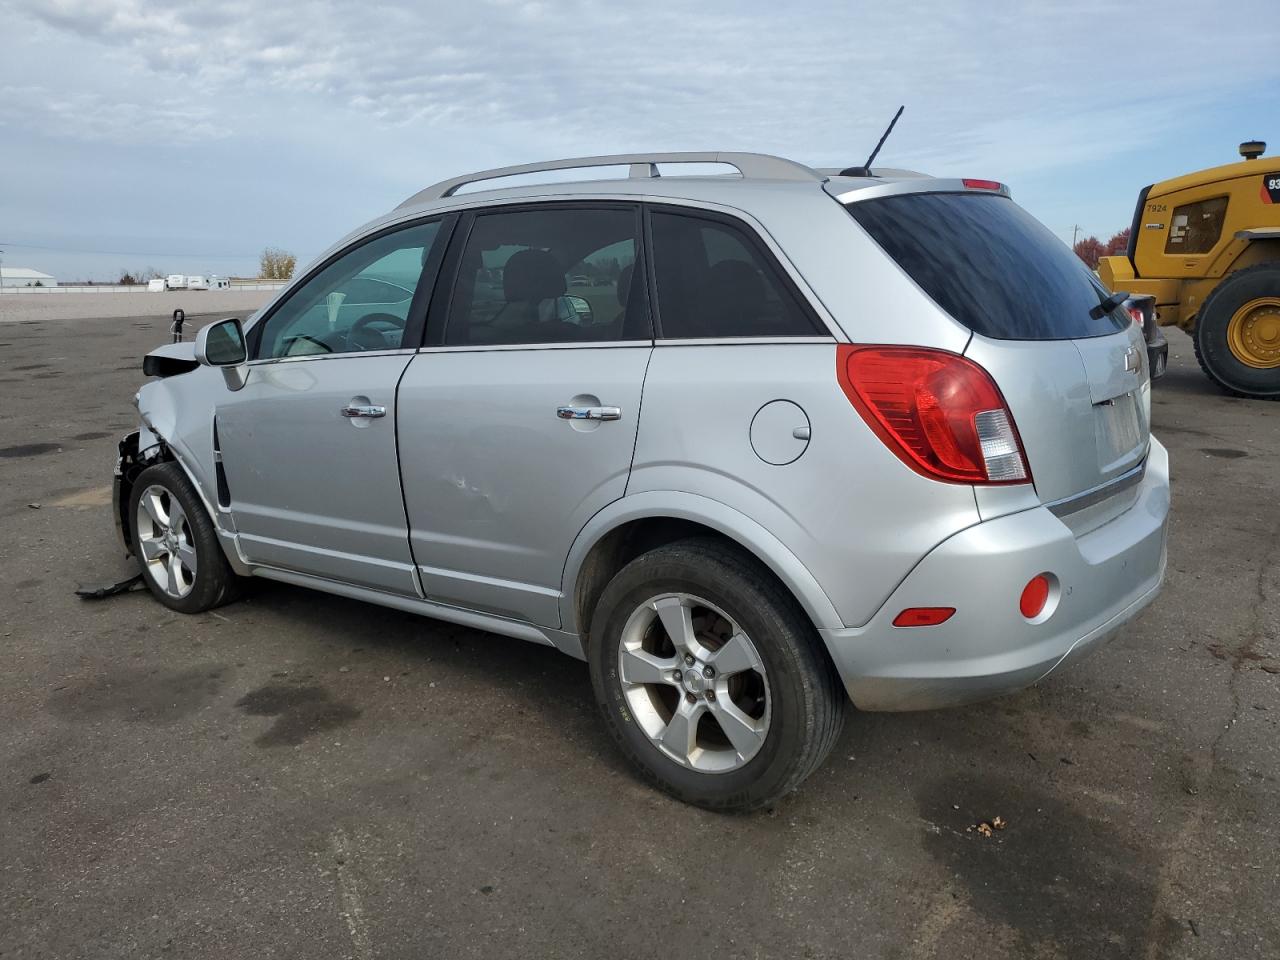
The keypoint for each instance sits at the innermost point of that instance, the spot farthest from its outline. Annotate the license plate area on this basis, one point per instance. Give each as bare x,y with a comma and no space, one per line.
1120,432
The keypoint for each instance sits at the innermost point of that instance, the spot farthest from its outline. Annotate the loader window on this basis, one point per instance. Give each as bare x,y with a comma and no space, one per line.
1196,227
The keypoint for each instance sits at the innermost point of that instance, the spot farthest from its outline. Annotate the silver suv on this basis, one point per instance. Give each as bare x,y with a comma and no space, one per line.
753,445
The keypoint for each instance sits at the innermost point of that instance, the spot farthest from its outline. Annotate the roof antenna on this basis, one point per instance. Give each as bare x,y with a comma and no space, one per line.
865,169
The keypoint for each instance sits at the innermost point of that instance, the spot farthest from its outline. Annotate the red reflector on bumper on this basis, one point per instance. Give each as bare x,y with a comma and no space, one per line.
923,616
1034,596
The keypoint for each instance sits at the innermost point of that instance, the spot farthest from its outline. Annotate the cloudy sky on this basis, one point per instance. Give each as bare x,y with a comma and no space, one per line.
186,136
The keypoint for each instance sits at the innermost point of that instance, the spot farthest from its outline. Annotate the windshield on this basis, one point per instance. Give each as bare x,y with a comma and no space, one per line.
990,264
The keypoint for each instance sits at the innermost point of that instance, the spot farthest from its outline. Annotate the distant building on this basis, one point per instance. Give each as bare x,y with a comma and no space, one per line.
24,277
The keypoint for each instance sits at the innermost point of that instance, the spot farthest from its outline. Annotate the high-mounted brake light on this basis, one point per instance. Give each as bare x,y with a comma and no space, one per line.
940,413
973,184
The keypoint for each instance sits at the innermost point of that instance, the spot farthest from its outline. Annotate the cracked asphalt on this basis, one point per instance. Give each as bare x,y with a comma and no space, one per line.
298,775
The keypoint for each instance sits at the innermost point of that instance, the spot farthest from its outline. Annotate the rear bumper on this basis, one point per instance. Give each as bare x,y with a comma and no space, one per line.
1104,578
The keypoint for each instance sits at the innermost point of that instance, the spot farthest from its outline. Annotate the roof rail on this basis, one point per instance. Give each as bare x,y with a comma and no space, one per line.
643,166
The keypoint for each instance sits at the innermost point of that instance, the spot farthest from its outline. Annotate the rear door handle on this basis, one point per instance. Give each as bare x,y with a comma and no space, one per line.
363,411
589,413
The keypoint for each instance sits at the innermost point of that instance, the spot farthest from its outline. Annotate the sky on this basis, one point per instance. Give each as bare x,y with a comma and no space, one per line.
187,136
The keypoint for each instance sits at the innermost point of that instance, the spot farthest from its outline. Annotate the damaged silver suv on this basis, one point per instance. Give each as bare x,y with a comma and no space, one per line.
755,446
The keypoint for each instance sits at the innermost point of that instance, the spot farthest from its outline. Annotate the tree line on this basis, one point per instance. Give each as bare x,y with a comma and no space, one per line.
1090,249
273,264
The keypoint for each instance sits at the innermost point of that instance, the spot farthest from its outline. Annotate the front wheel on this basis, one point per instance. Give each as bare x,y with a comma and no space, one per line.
711,678
175,542
1237,335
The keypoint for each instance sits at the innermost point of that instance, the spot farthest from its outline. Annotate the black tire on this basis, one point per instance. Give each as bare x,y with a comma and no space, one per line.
213,582
1210,338
808,702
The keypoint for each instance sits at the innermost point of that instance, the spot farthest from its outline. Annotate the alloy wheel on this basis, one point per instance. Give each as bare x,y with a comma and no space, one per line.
165,541
695,683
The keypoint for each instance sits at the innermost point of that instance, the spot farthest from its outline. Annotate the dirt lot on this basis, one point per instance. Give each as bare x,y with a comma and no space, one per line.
302,776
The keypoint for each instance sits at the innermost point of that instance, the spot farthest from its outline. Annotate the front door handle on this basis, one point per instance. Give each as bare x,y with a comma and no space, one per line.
589,413
363,411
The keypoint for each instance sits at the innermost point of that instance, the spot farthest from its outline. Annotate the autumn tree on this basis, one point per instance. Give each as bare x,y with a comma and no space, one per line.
1119,243
276,264
1089,249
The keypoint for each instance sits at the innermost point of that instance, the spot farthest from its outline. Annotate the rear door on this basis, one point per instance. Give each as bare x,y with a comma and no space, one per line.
518,422
1074,375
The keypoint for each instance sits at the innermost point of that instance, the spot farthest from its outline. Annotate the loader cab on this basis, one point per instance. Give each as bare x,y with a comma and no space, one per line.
1192,238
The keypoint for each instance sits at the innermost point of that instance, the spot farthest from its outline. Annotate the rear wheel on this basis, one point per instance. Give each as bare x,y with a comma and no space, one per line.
1237,336
175,543
711,678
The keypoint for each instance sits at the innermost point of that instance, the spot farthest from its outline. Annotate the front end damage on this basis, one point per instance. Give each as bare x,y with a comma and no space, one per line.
137,451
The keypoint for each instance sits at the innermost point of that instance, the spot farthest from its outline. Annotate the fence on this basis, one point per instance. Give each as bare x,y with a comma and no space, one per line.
138,287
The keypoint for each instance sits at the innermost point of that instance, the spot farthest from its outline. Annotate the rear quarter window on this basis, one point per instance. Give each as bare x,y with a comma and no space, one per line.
714,281
990,265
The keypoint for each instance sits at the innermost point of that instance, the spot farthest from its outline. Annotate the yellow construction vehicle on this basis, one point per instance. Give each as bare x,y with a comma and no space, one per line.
1207,246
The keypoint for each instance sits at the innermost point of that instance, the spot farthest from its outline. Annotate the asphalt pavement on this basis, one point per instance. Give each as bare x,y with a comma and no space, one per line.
298,775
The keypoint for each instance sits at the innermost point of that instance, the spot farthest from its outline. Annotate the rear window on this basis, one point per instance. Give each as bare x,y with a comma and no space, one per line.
990,264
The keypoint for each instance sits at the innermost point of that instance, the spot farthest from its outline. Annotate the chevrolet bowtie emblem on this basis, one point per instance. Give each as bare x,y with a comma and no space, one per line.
1131,360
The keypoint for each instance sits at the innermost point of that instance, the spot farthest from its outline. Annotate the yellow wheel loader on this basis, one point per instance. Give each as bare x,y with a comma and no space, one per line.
1207,246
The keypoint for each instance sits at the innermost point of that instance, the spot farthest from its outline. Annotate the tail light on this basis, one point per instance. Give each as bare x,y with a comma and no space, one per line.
1135,314
941,414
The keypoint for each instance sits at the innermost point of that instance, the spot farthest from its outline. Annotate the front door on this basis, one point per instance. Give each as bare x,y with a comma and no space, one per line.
308,445
520,422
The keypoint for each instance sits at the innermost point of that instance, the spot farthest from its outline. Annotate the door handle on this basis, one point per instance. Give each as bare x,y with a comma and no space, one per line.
589,413
363,411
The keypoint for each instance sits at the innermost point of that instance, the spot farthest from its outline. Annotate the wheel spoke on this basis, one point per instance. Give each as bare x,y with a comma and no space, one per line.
152,549
640,666
735,656
175,573
177,516
743,732
187,554
155,510
677,620
681,734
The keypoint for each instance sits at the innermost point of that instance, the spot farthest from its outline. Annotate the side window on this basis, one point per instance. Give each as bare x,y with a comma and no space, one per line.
715,281
1196,227
548,276
359,302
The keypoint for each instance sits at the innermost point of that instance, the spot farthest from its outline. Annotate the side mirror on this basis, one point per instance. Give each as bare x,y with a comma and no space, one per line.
221,344
578,311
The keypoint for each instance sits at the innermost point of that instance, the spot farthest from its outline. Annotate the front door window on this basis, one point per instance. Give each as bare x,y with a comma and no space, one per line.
358,303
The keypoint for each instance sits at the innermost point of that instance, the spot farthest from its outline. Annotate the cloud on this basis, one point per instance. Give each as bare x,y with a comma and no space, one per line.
84,115
306,117
975,76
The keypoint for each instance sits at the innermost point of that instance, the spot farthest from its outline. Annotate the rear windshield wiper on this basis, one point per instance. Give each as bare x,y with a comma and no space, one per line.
1107,305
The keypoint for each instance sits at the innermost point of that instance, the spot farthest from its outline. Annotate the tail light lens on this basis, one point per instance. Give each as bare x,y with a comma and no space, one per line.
940,413
1135,314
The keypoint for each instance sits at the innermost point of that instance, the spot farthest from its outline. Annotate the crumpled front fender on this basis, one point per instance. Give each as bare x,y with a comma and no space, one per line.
137,451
